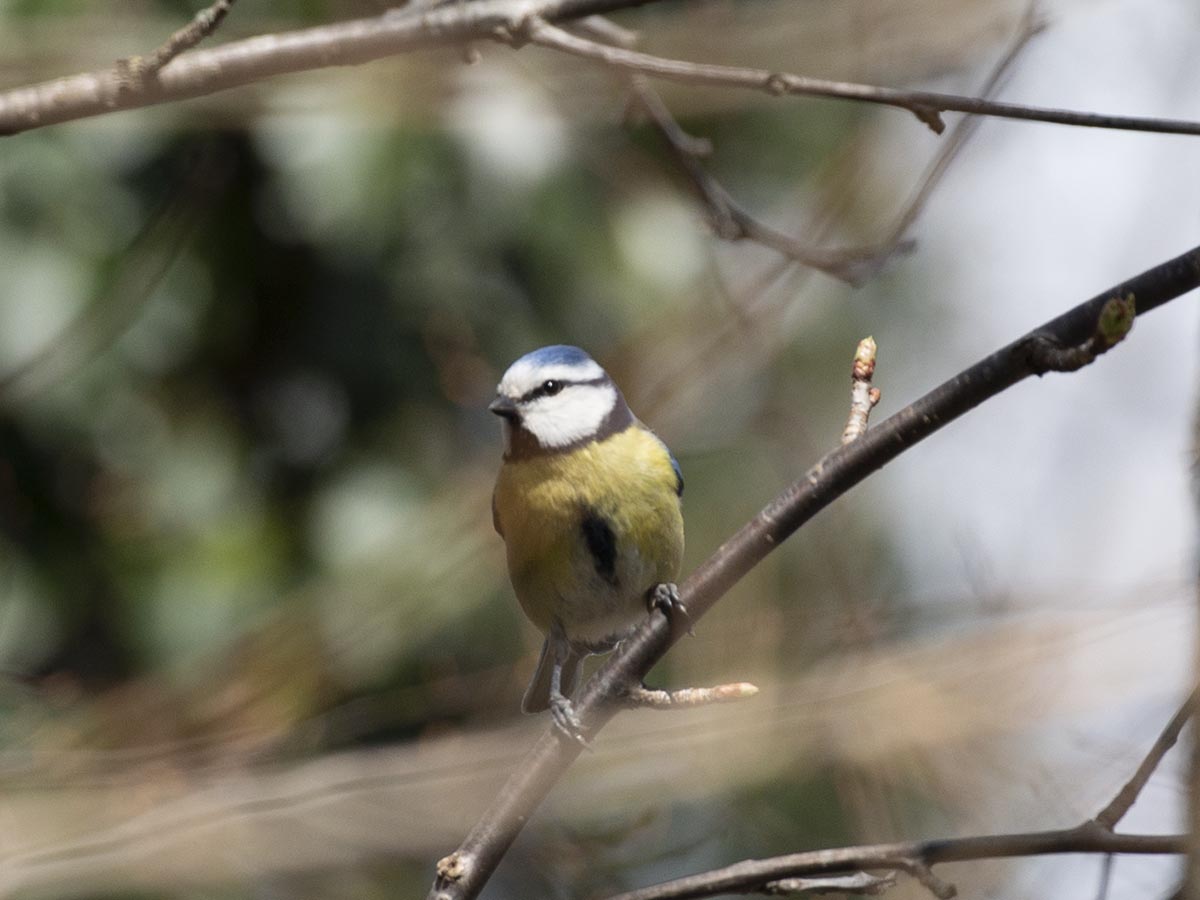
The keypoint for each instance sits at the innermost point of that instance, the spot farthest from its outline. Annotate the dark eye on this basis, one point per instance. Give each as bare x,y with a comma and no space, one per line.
550,388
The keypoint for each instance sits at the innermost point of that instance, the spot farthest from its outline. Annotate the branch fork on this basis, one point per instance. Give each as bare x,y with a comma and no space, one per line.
138,75
728,219
203,24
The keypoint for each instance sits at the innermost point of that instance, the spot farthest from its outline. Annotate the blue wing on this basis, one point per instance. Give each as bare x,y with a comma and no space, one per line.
670,456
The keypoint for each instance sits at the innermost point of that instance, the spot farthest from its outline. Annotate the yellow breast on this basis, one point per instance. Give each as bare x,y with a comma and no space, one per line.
628,482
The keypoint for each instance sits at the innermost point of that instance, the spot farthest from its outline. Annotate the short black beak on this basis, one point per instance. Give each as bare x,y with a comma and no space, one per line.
504,408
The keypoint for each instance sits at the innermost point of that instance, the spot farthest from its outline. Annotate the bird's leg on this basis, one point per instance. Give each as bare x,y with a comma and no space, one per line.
665,596
562,710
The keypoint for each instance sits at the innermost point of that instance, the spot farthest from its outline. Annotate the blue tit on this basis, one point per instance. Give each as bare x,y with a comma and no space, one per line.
588,503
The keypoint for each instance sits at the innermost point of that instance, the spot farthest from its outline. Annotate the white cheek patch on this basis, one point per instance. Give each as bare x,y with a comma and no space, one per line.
574,415
523,376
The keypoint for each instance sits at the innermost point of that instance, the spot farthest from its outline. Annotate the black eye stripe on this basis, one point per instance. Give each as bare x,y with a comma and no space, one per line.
543,389
539,391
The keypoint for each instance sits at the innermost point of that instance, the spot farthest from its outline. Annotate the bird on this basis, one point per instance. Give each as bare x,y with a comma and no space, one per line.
588,501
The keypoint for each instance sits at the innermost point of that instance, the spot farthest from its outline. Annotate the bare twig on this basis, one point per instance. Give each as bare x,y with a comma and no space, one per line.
1094,836
895,241
915,857
863,397
858,883
202,72
202,25
1127,796
927,106
490,838
1031,26
729,219
685,698
919,869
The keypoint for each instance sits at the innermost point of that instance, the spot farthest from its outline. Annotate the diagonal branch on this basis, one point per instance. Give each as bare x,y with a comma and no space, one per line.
895,241
927,106
1127,796
1096,324
1031,26
915,857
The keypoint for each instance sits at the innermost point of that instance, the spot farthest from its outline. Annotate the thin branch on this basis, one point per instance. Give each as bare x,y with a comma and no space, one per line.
948,151
685,698
202,72
1127,796
916,857
605,30
490,838
202,25
927,106
919,858
919,869
858,883
863,397
729,219
207,71
1031,26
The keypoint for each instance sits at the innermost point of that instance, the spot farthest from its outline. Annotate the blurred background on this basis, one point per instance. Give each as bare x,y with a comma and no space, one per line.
255,626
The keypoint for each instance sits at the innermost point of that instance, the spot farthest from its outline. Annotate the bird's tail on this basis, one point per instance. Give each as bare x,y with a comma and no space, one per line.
537,695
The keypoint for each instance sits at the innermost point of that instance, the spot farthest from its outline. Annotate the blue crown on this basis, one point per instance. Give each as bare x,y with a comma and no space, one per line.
557,355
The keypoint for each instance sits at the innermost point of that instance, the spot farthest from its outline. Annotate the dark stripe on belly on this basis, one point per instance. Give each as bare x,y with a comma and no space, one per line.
601,543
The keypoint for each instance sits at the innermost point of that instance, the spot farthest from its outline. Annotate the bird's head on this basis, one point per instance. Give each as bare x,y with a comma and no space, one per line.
557,398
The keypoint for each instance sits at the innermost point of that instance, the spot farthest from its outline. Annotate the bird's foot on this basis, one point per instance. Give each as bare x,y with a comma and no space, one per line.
665,596
562,713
